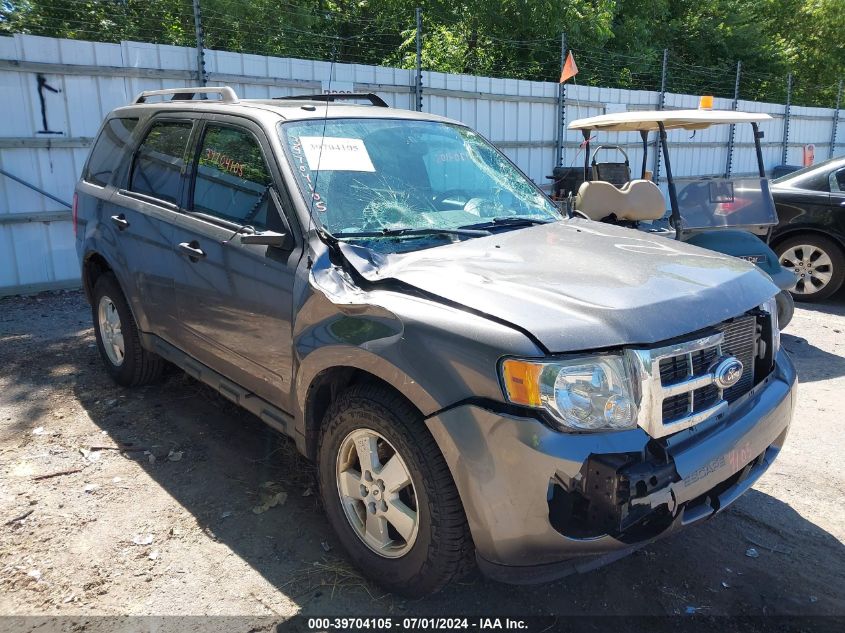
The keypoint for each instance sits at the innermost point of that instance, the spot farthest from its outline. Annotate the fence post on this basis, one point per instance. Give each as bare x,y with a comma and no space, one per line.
732,135
561,107
201,74
786,113
835,121
660,103
418,81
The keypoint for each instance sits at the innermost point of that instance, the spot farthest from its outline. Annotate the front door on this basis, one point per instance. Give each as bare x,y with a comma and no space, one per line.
234,300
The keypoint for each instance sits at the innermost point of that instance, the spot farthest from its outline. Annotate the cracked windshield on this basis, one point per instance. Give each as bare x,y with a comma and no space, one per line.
403,185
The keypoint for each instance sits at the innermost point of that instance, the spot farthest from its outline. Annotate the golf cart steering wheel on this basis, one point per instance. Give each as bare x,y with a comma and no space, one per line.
696,211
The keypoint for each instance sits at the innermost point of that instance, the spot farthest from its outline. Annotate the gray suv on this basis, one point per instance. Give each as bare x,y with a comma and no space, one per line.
478,379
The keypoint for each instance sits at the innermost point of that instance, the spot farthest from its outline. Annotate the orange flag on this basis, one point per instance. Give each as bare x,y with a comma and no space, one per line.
569,68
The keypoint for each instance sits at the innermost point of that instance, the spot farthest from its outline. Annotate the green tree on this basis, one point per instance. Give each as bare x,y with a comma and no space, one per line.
616,42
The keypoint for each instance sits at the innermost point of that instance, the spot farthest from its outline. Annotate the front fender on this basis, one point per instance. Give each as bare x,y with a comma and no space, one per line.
435,354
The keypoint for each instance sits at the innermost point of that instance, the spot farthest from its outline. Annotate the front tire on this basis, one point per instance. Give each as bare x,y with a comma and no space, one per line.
389,495
818,261
118,340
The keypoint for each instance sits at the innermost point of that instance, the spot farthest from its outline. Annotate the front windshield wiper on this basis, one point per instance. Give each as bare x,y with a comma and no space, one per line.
462,231
506,221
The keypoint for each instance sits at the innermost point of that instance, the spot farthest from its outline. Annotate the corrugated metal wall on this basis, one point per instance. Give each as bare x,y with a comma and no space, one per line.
56,92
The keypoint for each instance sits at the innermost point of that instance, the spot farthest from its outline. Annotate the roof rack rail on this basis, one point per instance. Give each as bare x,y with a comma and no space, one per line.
338,96
227,95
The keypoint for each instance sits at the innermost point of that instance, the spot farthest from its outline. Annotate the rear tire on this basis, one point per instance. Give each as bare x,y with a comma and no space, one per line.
118,340
431,545
818,260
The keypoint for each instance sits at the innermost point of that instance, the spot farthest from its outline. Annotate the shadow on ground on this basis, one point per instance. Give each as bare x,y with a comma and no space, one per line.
228,454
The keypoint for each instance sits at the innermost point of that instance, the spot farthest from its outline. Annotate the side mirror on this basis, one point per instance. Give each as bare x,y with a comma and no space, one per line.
267,238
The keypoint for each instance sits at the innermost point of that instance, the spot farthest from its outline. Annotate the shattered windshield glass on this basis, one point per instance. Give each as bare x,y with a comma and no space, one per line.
366,176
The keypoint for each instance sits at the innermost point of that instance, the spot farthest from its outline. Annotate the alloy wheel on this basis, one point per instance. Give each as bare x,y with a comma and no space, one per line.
812,265
111,333
377,494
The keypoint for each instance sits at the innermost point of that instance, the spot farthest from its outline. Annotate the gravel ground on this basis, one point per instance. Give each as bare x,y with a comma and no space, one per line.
147,502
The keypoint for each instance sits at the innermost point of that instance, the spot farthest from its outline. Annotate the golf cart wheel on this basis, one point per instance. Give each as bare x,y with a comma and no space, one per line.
786,308
117,336
389,495
819,263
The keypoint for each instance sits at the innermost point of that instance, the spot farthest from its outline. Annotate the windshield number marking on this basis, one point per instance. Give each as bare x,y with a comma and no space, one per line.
305,174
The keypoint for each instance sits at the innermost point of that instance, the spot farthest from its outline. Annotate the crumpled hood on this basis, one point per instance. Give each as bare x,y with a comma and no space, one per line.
578,285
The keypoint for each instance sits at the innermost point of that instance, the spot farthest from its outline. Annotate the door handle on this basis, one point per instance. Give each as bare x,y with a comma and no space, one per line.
120,221
192,250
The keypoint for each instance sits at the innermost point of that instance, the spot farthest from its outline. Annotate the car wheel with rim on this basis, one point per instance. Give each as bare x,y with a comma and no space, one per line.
389,495
819,263
117,336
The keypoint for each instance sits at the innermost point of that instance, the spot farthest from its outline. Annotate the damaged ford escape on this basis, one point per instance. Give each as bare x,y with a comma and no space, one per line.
478,379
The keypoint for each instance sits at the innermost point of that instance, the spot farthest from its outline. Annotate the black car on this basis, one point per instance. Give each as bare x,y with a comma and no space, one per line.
810,237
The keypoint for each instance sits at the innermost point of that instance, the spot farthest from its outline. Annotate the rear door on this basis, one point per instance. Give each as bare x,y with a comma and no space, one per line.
234,300
139,215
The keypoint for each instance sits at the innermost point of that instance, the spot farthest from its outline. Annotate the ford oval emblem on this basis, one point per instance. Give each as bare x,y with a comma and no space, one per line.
727,372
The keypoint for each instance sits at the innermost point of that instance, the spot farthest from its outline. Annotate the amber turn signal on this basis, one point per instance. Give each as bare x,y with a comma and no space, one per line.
522,382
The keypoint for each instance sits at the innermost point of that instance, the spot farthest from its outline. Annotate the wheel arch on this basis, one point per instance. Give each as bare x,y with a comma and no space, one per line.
94,265
324,389
791,232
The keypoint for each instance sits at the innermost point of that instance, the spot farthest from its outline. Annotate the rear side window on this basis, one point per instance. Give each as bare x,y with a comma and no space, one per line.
108,150
233,181
157,170
837,181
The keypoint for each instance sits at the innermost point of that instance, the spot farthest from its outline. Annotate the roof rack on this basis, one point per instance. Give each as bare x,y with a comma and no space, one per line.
227,95
338,96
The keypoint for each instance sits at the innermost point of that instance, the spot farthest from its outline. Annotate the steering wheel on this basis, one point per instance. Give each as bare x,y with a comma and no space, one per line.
383,215
389,202
440,198
694,199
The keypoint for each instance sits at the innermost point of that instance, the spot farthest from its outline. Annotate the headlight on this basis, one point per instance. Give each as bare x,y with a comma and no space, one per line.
771,306
585,394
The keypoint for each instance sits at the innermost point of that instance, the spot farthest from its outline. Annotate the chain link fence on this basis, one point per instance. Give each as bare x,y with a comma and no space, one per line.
286,29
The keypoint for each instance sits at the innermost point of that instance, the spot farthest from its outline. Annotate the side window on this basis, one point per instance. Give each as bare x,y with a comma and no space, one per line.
158,164
817,181
837,181
108,150
232,180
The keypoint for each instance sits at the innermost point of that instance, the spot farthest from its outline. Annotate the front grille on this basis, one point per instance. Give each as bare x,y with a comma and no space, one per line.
676,368
676,407
740,342
680,388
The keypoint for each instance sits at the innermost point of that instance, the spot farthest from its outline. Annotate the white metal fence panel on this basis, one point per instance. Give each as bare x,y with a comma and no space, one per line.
56,93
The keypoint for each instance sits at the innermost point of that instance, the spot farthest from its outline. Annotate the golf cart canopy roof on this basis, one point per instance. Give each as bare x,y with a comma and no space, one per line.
638,120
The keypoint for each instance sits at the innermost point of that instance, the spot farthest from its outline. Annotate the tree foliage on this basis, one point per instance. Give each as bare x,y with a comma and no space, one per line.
616,42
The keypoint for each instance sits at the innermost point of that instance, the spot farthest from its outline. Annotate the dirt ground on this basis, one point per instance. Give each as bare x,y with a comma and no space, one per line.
153,503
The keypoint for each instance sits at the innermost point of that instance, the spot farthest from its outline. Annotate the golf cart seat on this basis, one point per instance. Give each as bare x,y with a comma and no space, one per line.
635,201
617,174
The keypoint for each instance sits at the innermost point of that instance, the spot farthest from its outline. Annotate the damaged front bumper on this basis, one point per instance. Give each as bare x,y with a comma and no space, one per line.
543,504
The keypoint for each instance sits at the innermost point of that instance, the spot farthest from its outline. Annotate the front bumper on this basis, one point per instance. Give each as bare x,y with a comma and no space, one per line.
543,504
